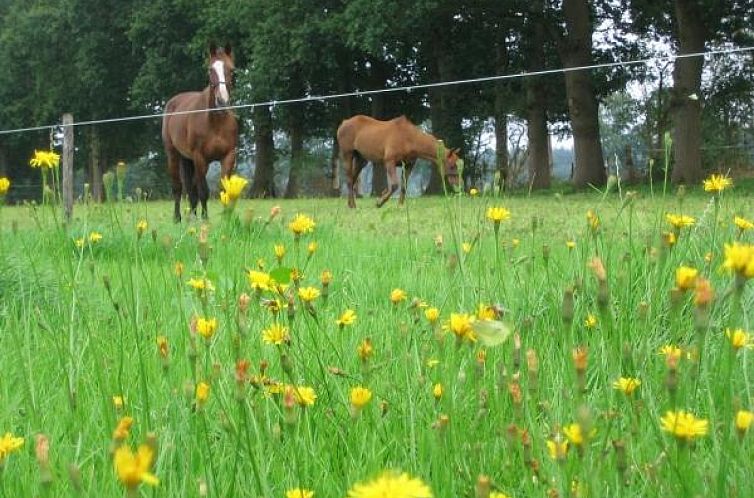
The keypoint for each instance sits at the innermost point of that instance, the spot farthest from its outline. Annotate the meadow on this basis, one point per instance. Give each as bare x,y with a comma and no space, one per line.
566,345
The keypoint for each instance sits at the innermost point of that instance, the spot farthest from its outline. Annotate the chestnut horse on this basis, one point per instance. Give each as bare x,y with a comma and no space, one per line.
362,139
194,138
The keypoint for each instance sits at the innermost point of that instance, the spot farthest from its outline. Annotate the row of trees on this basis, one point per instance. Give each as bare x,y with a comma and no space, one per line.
105,58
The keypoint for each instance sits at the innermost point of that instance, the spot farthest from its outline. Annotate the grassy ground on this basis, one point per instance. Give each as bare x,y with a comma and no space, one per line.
80,325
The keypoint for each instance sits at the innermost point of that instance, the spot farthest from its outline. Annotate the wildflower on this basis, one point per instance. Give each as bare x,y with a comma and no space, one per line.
312,247
178,269
45,159
592,220
4,186
591,321
466,247
326,278
304,395
438,241
575,434
486,312
703,292
279,252
460,325
397,295
627,385
259,280
123,428
299,493
365,350
206,327
685,277
717,183
684,426
308,294
557,449
301,224
740,259
392,485
360,396
202,393
498,214
744,419
275,334
347,318
570,244
679,221
595,264
473,192
742,223
437,391
431,314
134,469
200,284
224,199
95,237
8,444
118,402
738,338
497,494
432,362
670,351
162,346
141,227
515,243
233,186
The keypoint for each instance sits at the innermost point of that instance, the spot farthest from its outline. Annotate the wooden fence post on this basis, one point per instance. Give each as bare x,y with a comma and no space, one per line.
67,182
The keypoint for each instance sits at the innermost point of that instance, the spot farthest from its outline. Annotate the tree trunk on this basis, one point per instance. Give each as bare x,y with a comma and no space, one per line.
538,163
264,143
685,103
296,134
502,97
576,50
95,169
3,159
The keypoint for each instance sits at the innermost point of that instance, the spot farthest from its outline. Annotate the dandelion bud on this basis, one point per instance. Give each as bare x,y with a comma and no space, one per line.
243,302
289,406
532,367
546,253
566,308
106,283
274,211
620,456
437,391
285,363
291,308
703,293
441,423
42,453
483,486
74,474
598,269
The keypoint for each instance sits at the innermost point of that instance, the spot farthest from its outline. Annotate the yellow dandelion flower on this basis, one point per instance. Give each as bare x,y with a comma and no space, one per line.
669,238
575,434
740,259
347,318
671,351
206,327
397,295
45,159
95,237
497,214
200,284
432,314
460,325
685,277
515,243
141,227
679,221
557,450
224,198
279,251
4,186
8,444
312,247
592,220
162,346
497,494
202,393
591,321
391,485
365,350
301,224
326,278
684,426
308,294
259,280
233,187
299,493
275,334
717,183
570,244
743,421
80,243
486,312
437,391
473,192
466,247
304,395
123,428
738,338
627,385
118,402
360,396
134,468
742,223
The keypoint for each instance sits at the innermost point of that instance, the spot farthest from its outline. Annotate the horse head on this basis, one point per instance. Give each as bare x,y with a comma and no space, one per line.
451,167
221,67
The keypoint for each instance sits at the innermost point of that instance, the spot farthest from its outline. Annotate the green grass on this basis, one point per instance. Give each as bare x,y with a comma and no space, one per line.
78,327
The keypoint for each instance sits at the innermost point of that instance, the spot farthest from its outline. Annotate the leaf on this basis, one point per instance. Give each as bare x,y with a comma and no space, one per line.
491,332
281,275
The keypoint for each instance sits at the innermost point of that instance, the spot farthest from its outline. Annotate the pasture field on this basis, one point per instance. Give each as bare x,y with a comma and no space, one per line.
495,373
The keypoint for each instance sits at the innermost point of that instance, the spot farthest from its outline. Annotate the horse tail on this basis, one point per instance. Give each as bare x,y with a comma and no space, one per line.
187,173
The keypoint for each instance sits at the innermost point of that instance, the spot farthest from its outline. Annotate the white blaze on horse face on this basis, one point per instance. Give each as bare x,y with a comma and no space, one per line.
219,68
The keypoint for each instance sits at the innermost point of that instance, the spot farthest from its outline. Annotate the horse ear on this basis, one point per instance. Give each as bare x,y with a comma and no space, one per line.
212,49
228,50
457,151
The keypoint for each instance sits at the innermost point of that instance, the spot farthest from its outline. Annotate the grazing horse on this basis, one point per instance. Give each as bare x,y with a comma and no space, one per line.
362,139
198,130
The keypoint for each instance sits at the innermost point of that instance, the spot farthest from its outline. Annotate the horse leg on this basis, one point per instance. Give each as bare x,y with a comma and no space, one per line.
200,178
408,166
188,171
392,183
353,164
174,169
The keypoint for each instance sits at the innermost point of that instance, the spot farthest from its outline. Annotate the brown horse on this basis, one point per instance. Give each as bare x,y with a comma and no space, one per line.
362,139
194,138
